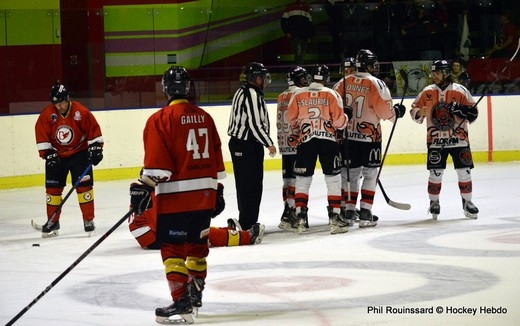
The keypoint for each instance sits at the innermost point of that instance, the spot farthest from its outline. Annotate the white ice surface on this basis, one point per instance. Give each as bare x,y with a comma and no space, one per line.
408,260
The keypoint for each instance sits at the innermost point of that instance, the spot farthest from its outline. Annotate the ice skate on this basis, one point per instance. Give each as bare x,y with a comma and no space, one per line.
301,224
470,210
435,208
257,233
195,288
50,229
348,215
178,313
288,218
337,223
88,226
233,224
366,219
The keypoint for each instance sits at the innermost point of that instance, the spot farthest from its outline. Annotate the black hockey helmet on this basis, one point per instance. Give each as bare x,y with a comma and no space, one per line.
59,93
443,66
256,69
298,76
176,82
366,58
321,73
348,62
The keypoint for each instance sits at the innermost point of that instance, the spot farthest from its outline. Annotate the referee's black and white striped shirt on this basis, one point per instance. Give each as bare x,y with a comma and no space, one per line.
249,119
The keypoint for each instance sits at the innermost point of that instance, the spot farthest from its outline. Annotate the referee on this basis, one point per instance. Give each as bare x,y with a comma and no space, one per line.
249,133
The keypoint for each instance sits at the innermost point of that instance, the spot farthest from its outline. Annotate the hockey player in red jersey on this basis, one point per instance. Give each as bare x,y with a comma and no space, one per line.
367,102
287,141
143,228
182,164
448,108
69,139
317,112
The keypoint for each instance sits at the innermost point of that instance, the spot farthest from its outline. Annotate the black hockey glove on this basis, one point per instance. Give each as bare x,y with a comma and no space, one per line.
399,110
348,111
95,152
140,197
472,114
459,110
220,203
52,160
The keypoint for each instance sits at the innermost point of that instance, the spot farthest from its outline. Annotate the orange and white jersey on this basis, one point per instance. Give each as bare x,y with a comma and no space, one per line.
371,102
316,111
440,123
67,134
183,152
286,136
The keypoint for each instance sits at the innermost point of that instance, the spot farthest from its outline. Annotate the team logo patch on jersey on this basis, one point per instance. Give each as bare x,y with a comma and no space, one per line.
434,157
64,135
77,116
441,117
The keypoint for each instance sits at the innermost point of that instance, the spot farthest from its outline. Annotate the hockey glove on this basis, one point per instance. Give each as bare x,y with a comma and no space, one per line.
399,110
472,114
95,152
459,110
348,111
220,203
52,160
140,197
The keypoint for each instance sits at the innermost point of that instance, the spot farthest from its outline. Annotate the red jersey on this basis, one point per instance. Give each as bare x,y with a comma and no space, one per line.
439,121
285,144
371,102
183,151
67,134
317,111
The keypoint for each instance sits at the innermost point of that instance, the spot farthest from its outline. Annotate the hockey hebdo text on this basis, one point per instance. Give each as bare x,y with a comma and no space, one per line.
448,310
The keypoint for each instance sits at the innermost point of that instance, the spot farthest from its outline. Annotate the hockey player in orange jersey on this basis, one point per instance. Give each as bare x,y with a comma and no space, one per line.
367,102
448,108
297,77
316,113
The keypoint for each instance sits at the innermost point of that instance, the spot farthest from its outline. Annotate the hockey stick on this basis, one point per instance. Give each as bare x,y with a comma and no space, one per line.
74,264
346,160
50,220
390,202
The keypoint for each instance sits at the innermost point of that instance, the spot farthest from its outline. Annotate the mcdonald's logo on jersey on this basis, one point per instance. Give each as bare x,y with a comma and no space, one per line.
375,155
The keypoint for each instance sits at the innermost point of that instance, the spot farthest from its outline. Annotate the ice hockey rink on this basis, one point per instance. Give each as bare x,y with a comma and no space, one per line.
409,270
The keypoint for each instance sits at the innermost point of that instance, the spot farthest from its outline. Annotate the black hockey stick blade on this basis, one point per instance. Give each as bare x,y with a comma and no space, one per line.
401,206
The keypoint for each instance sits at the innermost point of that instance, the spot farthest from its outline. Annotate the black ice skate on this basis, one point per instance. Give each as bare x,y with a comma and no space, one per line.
301,224
470,210
349,215
435,208
288,218
257,233
337,223
178,313
366,219
88,226
50,229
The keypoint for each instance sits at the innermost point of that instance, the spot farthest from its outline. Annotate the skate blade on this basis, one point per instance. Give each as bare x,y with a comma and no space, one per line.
367,224
52,234
434,217
182,319
195,312
300,230
472,216
338,230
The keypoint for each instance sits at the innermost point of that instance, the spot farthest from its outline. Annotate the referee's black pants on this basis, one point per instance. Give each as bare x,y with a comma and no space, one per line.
248,167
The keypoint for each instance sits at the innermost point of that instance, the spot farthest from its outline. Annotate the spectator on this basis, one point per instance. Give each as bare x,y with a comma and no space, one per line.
354,24
298,28
508,41
459,74
388,38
